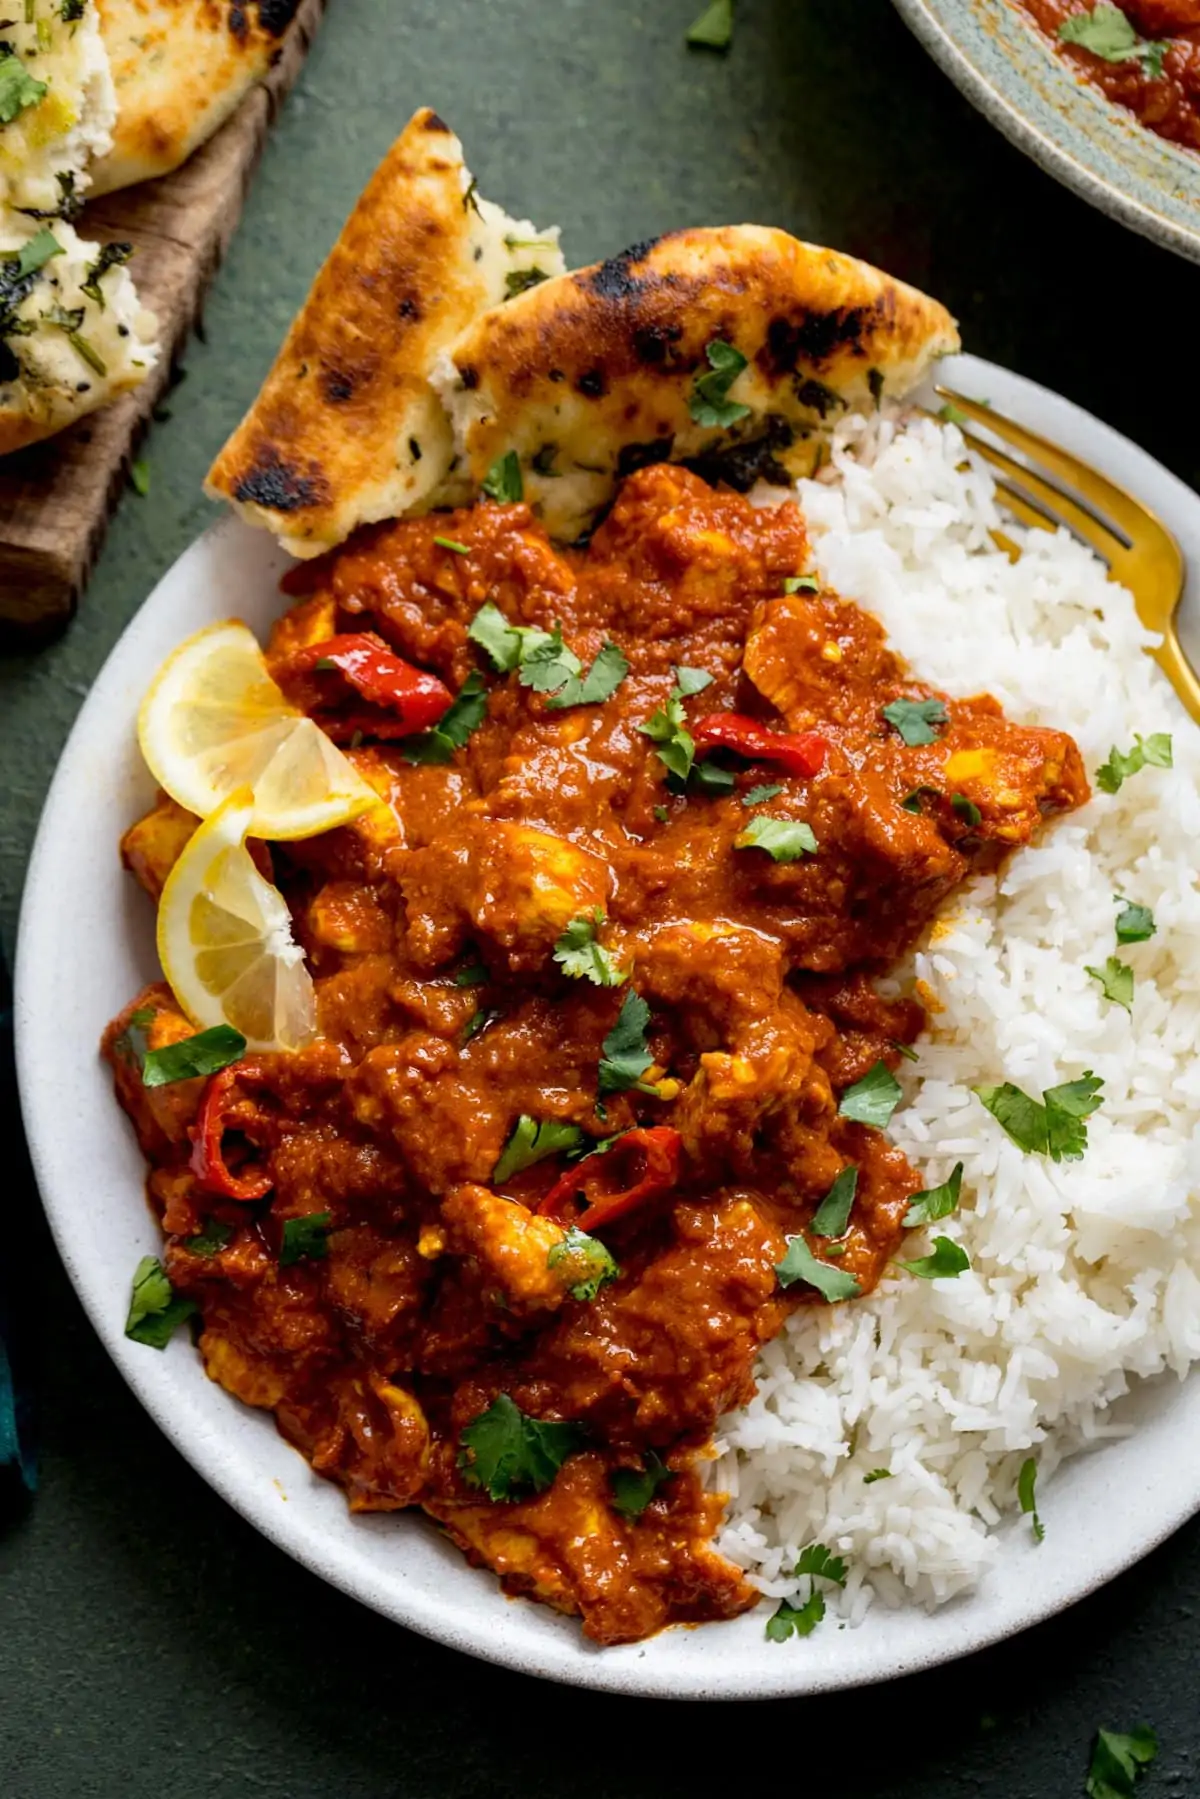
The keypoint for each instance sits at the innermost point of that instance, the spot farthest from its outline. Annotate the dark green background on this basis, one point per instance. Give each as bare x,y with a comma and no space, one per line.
151,1645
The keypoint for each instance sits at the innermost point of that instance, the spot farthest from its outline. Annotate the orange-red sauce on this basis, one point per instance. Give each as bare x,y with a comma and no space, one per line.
1168,103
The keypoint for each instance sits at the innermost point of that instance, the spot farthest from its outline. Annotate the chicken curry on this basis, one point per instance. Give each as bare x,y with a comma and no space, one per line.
1144,55
602,1064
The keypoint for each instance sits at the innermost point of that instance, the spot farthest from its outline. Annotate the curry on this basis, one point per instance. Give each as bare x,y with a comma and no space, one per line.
601,1031
1156,77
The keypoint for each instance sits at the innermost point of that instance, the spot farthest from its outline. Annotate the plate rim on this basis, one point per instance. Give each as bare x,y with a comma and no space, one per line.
631,1671
1001,110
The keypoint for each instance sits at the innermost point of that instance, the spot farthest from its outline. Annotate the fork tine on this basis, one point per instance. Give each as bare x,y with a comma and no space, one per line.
1039,497
1129,514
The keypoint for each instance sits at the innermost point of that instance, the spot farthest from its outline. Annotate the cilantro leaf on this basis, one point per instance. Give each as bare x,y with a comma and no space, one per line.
304,1239
1116,978
709,403
549,663
503,480
155,1310
784,839
817,1561
18,89
634,1488
1022,1117
205,1053
799,1621
1055,1128
915,720
950,414
947,1260
519,281
676,745
935,1202
510,1454
35,254
473,975
1155,751
714,27
626,1057
799,1264
211,1240
912,801
757,796
689,681
479,1021
904,1049
1118,1760
532,1140
1108,33
139,476
802,584
1135,924
873,1099
589,1262
112,256
579,955
876,1474
131,1044
710,777
505,645
833,1213
452,543
600,683
967,810
1027,1495
466,713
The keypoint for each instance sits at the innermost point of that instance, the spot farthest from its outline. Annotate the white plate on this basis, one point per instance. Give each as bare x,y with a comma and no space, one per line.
87,944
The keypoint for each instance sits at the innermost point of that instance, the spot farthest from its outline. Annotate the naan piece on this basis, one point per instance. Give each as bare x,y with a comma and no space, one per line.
736,346
73,333
347,429
57,104
180,68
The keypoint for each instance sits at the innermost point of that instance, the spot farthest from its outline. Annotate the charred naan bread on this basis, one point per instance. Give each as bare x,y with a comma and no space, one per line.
72,331
57,105
347,428
180,68
735,346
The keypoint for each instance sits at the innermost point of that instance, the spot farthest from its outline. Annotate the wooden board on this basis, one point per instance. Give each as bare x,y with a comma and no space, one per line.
56,497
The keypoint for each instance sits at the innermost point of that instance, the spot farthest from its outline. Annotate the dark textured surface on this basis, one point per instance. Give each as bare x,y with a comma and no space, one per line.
151,1646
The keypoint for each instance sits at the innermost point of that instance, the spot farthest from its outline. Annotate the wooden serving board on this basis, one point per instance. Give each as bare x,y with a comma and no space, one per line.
56,496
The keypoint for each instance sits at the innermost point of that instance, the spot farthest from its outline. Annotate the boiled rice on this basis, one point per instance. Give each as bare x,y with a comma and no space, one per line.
1085,1276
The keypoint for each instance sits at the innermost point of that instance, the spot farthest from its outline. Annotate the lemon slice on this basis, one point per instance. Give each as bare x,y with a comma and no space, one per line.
214,721
225,938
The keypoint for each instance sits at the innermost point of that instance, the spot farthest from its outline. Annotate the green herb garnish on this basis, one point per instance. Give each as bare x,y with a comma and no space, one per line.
211,1240
833,1214
633,1488
479,1021
35,254
1116,978
915,720
1154,751
579,955
533,1140
590,1265
111,256
1135,924
473,975
18,89
519,281
710,403
155,1310
947,1260
817,1561
758,796
799,1264
784,839
933,1203
876,1474
1117,1762
466,713
1108,33
714,27
139,480
206,1053
1056,1127
1027,1496
790,1620
305,1239
873,1099
503,480
802,584
626,1056
509,1454
450,543
967,810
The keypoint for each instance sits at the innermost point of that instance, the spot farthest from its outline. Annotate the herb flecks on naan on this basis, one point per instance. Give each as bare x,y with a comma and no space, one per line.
347,429
735,346
57,106
180,68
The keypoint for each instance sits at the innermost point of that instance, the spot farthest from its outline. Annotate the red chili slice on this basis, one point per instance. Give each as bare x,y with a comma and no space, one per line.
655,1154
802,753
400,699
207,1160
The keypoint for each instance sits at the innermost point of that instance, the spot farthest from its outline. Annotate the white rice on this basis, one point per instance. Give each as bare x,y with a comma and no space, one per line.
1085,1276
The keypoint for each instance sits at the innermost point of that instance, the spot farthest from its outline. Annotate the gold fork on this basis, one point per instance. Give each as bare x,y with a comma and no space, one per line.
1044,486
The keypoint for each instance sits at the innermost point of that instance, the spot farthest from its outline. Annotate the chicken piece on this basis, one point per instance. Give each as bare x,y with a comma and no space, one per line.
311,620
514,1246
160,1115
811,655
378,1285
349,918
1163,18
568,1548
151,847
376,1444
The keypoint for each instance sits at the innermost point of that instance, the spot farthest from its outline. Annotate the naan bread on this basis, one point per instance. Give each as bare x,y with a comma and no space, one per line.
64,350
57,104
347,429
594,373
180,68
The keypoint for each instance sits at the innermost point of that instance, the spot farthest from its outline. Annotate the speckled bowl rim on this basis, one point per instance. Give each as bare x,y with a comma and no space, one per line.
86,943
1074,144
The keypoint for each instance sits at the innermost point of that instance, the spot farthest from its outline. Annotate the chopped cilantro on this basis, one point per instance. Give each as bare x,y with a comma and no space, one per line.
947,1260
1135,924
802,584
532,1141
18,89
912,801
833,1214
509,1454
111,256
205,1053
466,713
304,1238
35,254
1027,1496
933,1203
1155,751
450,543
710,777
714,27
817,1561
758,796
589,1264
507,646
139,477
873,1099
710,403
579,955
950,414
519,281
662,814
626,1057
790,1620
904,1049
967,810
210,1241
155,1310
676,747
479,1021
784,839
72,10
1118,1760
633,1488
503,480
600,682
915,720
876,1474
799,1264
689,681
1116,978
1055,1128
1108,33
473,975
131,1044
